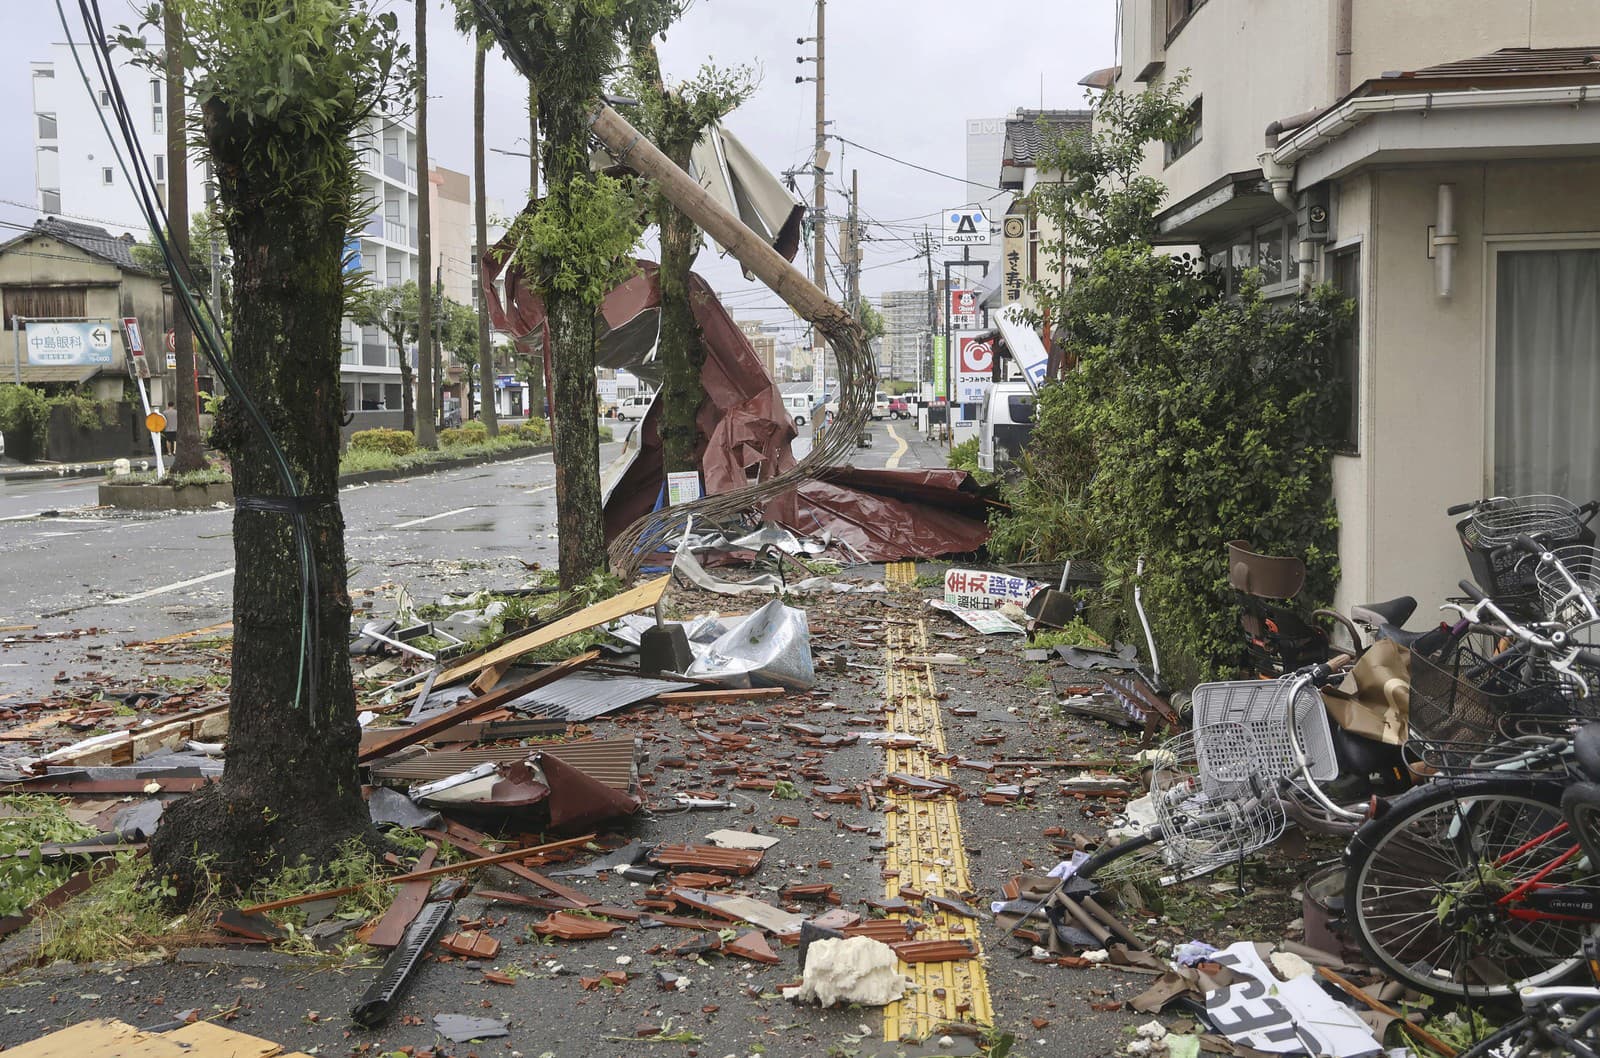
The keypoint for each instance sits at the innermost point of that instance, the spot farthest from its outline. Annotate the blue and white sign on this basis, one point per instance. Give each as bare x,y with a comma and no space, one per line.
69,344
966,226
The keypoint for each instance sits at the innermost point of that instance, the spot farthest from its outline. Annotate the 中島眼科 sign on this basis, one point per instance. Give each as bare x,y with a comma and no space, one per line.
68,344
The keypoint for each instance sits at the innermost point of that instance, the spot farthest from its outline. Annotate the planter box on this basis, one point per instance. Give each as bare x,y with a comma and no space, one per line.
166,497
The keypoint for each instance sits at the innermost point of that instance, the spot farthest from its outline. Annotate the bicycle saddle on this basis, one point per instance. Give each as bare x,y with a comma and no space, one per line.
1586,744
1394,612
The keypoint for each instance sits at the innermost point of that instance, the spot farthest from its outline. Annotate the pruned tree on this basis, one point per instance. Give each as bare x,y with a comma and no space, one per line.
576,244
870,318
280,86
394,311
675,118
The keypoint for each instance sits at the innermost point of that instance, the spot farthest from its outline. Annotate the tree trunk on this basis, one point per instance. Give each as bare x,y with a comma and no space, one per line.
427,384
679,347
408,411
289,788
190,455
580,529
480,222
537,390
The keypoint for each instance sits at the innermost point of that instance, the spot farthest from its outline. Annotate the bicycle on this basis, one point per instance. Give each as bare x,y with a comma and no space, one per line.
1554,1021
1486,879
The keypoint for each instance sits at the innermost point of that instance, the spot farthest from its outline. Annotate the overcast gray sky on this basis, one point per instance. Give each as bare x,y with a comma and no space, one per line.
903,78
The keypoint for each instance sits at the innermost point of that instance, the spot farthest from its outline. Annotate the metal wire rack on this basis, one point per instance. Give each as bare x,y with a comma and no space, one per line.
1568,586
1264,707
1458,728
1212,799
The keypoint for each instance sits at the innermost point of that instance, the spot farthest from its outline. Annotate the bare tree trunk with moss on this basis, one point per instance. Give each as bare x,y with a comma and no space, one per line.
191,455
480,220
427,384
580,527
537,397
289,791
408,403
680,349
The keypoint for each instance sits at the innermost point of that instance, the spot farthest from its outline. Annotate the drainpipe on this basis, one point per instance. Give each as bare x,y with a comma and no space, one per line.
1281,179
1342,47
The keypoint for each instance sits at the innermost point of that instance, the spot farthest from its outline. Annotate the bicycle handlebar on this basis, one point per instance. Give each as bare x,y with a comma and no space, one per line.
1460,508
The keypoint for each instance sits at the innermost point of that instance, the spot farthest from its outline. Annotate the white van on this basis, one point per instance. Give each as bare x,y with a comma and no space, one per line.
1005,422
634,407
799,406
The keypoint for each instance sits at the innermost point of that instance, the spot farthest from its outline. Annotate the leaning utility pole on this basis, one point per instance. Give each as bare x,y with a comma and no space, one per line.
427,387
190,455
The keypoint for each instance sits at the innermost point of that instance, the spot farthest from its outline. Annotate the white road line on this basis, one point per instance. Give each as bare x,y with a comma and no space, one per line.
432,517
893,462
541,488
169,587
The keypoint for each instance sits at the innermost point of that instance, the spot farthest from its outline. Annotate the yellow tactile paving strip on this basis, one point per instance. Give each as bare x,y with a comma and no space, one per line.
900,574
923,844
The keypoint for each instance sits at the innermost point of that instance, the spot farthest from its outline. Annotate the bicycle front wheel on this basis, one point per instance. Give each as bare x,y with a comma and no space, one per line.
1427,882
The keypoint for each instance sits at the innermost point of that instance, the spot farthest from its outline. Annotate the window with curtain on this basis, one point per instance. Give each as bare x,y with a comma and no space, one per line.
1547,373
1345,274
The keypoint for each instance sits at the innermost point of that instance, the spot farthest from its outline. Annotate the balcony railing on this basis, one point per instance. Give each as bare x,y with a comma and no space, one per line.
399,233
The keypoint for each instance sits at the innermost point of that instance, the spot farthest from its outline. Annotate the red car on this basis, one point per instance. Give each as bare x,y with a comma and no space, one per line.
900,408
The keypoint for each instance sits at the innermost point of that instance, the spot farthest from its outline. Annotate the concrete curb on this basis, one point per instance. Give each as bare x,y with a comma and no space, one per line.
32,472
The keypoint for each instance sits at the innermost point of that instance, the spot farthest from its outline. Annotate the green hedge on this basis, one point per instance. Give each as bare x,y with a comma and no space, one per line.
394,442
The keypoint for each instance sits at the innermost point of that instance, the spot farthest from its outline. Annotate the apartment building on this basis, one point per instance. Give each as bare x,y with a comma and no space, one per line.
1436,160
907,333
77,176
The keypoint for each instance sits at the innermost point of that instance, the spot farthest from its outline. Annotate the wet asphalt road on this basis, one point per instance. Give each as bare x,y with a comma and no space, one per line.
461,530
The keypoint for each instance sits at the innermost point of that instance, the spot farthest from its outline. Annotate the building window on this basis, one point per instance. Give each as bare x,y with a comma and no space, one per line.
105,98
1546,370
1270,248
50,201
160,163
47,127
157,104
44,303
1178,12
107,176
43,71
1175,149
1344,273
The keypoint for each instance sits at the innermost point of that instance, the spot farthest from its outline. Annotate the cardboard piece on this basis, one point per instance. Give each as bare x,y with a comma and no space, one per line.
1283,1017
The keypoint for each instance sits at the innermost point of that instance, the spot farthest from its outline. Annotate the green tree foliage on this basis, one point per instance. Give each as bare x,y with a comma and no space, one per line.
871,320
394,311
1188,419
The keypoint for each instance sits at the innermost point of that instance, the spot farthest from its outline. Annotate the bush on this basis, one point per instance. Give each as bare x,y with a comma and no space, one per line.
86,413
469,433
394,442
606,436
964,456
25,420
535,430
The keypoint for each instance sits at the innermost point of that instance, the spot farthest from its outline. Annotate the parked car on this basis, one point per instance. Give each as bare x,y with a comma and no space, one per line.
880,406
1005,422
799,406
636,406
900,408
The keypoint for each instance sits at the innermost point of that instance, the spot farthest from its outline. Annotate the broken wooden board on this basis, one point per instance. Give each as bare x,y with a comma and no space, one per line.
215,1041
642,597
110,1038
475,707
125,747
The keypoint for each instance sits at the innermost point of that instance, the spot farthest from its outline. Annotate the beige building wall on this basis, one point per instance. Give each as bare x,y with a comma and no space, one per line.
1386,35
453,230
1428,362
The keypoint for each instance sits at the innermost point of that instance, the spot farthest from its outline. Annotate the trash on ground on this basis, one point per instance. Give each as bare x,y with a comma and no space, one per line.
849,970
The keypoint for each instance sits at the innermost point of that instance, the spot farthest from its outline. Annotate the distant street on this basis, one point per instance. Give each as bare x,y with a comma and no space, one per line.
64,568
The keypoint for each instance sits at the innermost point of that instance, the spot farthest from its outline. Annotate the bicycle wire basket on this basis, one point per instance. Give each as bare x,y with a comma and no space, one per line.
1507,578
1213,801
1567,590
1263,706
1458,727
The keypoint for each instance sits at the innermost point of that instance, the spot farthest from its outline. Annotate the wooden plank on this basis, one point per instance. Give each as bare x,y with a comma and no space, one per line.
472,848
214,1041
421,732
631,601
486,860
485,681
108,1038
391,928
728,694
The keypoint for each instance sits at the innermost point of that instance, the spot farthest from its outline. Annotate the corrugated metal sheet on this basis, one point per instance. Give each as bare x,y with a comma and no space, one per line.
609,760
586,695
